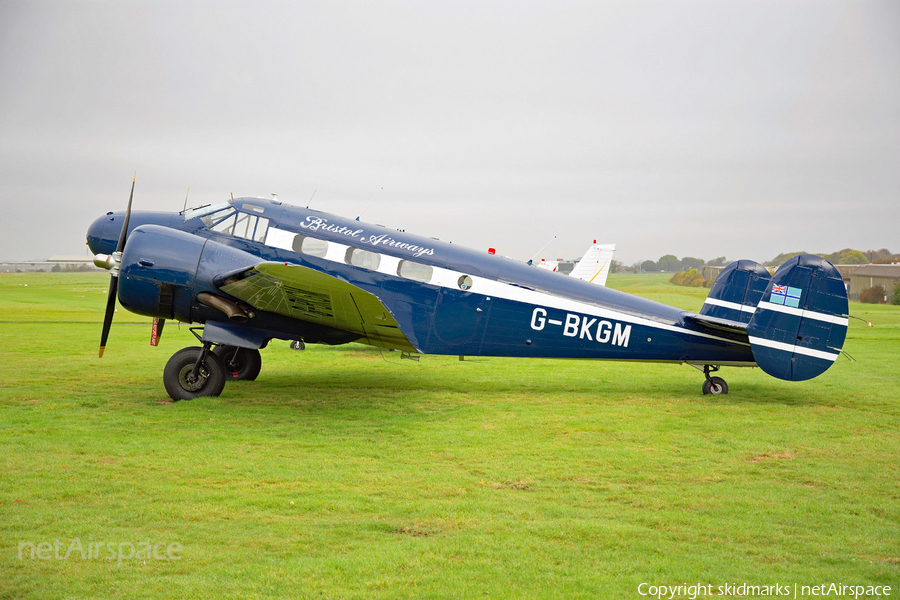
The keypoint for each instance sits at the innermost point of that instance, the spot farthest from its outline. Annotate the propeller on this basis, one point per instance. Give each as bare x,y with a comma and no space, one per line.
113,262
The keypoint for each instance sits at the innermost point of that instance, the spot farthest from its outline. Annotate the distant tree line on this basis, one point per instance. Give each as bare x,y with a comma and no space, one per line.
672,264
688,270
72,268
847,256
666,264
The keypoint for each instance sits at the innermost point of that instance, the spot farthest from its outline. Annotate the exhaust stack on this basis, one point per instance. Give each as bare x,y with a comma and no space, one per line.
232,309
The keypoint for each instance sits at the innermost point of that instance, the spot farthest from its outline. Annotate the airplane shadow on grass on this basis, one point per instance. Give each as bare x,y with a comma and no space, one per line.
450,381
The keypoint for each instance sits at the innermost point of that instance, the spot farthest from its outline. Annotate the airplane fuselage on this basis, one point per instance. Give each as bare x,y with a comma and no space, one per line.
446,299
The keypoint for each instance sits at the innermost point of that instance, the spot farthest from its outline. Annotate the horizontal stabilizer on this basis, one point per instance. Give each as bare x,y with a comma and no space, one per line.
736,291
719,324
799,327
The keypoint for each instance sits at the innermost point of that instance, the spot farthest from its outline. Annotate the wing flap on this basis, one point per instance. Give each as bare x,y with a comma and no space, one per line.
302,293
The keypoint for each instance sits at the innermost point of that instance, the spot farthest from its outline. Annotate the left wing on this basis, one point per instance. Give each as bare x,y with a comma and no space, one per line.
309,295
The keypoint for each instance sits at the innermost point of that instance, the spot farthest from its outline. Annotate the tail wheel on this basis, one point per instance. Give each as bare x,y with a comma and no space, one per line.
185,382
715,386
241,364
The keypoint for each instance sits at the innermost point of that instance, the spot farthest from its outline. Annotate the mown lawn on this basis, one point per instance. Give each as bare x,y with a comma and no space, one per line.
348,473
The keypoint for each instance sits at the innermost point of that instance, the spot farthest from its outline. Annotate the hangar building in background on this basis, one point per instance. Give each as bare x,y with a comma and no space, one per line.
868,276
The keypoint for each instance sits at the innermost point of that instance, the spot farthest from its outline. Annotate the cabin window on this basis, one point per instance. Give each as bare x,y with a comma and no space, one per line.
225,225
253,207
465,283
362,259
414,270
310,245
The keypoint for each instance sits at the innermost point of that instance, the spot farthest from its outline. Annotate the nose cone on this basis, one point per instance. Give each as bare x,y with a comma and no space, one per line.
103,234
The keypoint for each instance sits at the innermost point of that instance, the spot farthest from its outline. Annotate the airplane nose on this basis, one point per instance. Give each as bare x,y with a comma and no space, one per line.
101,237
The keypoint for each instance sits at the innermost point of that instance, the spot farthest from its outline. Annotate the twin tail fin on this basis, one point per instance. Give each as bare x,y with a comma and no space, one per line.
799,326
796,320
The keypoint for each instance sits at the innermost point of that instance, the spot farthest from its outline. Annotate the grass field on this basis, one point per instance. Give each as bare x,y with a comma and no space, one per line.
347,473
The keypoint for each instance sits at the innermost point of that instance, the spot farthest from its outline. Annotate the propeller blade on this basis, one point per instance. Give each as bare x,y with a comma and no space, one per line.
114,279
121,245
110,309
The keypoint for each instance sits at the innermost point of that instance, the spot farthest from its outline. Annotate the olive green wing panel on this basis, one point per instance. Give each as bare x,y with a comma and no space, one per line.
309,295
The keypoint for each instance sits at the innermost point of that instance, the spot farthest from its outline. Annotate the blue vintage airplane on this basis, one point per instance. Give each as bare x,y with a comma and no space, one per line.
251,270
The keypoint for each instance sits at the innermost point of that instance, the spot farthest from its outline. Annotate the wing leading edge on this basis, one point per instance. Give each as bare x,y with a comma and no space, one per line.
302,293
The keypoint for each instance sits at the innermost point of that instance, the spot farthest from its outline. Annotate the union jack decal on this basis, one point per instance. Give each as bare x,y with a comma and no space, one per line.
785,295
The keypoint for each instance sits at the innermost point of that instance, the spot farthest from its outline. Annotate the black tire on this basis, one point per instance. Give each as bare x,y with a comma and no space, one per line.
241,364
177,375
298,345
715,386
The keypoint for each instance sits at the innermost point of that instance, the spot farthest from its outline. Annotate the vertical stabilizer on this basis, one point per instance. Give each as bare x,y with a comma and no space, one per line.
799,326
737,291
595,264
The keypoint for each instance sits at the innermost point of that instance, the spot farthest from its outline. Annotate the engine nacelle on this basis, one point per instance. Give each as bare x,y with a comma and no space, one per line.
163,270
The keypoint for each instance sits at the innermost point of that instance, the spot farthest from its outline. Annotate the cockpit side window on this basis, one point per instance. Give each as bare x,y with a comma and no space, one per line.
217,216
243,226
226,225
239,224
261,227
207,211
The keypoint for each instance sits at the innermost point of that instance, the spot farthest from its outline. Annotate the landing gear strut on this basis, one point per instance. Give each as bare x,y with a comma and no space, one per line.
713,385
241,364
194,372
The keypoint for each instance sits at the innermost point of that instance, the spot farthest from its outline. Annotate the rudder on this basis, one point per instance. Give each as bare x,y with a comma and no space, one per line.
799,327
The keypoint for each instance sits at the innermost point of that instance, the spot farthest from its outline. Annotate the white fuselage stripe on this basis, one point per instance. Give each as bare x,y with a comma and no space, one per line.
731,305
806,314
447,278
794,349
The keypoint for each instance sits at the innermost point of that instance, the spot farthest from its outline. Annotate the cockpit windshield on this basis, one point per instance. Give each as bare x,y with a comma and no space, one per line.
200,211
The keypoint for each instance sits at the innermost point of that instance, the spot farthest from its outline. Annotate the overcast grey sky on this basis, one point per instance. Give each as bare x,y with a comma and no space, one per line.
696,128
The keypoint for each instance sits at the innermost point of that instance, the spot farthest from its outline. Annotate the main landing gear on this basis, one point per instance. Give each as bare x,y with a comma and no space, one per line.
202,371
713,385
241,364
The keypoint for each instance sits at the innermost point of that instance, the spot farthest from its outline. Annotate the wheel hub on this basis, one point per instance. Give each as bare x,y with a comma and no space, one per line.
191,382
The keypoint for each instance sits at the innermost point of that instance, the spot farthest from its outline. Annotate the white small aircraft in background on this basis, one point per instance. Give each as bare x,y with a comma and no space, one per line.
593,267
550,265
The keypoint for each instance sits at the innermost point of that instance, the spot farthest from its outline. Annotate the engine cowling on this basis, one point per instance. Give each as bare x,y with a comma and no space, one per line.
163,270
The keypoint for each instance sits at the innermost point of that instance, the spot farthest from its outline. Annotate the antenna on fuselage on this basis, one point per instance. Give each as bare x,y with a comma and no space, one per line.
542,249
185,200
311,197
369,204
